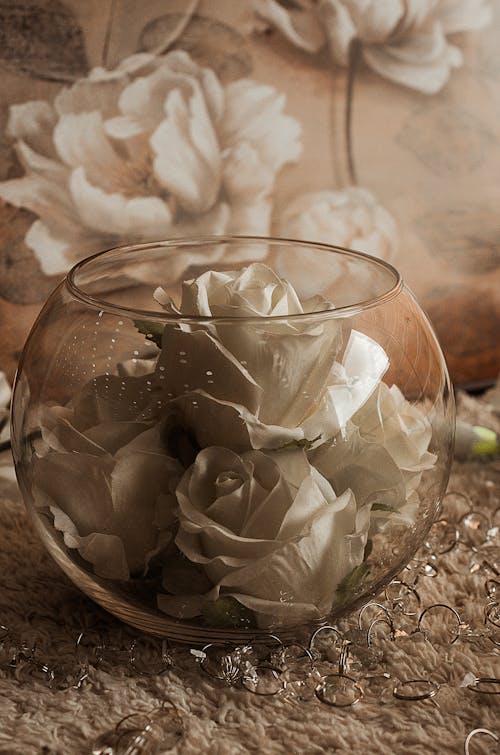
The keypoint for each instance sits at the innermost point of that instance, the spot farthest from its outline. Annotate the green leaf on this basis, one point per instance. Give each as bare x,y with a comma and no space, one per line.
181,442
352,582
368,549
227,612
382,507
302,443
152,330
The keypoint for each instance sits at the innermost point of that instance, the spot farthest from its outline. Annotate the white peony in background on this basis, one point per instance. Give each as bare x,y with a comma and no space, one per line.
351,218
156,148
406,41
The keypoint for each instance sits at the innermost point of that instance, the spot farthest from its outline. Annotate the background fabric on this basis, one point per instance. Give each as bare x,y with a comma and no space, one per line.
369,125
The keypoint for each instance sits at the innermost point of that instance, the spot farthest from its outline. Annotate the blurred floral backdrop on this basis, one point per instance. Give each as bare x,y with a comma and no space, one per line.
366,124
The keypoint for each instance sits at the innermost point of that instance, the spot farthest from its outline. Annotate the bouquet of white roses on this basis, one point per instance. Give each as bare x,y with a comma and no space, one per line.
243,469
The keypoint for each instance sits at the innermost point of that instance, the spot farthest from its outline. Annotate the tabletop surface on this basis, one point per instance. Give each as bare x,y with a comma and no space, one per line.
78,672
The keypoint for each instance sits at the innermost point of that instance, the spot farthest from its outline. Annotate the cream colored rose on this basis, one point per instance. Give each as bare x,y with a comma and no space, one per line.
401,427
371,473
267,529
254,291
274,369
222,412
108,481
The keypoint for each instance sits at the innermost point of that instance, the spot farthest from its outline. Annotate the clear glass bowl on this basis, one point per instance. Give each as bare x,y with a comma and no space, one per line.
214,456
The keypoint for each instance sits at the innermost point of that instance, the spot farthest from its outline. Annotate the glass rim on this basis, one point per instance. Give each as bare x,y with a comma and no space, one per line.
163,316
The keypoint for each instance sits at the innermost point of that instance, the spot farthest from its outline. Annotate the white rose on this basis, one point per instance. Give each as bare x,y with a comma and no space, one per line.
351,218
388,419
157,148
213,415
109,486
370,472
402,40
268,530
275,370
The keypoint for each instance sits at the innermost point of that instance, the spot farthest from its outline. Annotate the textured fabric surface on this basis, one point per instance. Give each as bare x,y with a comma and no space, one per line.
44,610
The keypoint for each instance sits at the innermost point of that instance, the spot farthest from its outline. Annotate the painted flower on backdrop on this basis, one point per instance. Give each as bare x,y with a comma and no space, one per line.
405,41
351,218
157,148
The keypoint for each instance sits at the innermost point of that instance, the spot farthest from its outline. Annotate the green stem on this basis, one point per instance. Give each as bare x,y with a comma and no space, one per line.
107,35
354,59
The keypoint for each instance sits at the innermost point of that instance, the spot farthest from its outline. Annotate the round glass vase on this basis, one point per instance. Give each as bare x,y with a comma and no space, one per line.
222,437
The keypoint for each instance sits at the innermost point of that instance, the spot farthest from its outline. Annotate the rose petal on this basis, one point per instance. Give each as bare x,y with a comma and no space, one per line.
364,364
272,354
64,437
308,502
109,398
366,468
142,485
215,422
310,567
111,436
195,360
402,428
88,504
104,552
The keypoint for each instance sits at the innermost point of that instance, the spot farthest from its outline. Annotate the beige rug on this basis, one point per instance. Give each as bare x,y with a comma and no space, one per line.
44,611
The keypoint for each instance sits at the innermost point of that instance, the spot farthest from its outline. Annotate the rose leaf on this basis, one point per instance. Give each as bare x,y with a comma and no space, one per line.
152,330
352,582
227,612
